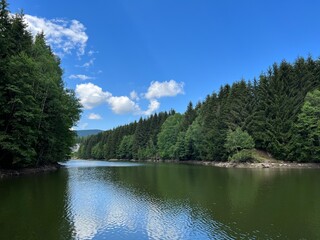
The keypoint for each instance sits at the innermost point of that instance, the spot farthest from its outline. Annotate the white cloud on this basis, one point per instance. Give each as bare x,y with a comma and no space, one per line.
80,76
63,35
164,89
94,116
134,96
91,52
89,63
152,107
123,105
91,95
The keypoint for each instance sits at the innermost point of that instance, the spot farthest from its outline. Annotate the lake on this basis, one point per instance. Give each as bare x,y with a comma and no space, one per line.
118,200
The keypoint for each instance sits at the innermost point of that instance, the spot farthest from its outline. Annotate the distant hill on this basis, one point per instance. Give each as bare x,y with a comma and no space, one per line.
85,133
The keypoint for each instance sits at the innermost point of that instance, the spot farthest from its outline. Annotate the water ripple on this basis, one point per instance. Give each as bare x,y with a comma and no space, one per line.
100,209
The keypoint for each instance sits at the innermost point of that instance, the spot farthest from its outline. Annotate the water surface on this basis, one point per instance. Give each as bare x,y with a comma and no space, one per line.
115,200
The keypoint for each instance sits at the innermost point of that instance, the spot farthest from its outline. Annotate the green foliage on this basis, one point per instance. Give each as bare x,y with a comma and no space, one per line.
137,140
238,140
97,151
150,152
168,136
244,155
188,117
36,112
195,144
125,148
306,142
180,147
279,98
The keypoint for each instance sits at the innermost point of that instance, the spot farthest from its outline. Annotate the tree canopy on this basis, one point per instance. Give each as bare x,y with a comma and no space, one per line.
36,111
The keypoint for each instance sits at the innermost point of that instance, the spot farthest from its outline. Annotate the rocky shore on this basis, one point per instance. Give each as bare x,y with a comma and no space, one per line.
262,160
26,171
267,164
279,164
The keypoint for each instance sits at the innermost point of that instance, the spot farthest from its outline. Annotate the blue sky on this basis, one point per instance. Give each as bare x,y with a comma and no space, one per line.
126,59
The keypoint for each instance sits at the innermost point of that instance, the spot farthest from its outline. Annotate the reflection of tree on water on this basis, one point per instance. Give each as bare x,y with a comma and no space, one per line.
244,184
268,200
32,207
194,202
114,209
274,201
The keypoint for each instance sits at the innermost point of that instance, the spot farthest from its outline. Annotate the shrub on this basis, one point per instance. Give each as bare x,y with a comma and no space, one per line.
244,155
238,140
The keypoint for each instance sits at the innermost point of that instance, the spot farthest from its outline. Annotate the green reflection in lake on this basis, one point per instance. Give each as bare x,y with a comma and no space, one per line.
258,203
33,207
161,201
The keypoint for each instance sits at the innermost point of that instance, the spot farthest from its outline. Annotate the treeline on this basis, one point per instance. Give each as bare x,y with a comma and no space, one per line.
136,140
279,112
36,112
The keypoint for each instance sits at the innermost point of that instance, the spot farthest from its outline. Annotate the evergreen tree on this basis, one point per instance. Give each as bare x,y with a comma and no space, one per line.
36,112
188,117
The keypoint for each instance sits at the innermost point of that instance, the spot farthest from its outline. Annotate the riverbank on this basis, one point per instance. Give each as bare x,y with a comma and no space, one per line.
26,171
279,164
263,164
262,159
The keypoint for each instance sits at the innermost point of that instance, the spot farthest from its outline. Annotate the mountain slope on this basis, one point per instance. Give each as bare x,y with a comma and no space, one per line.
85,133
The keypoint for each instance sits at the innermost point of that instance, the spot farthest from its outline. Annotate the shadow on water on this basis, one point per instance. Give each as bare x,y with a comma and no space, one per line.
106,200
33,207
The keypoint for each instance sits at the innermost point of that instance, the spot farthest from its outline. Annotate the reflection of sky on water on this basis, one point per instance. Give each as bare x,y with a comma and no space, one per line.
91,163
101,209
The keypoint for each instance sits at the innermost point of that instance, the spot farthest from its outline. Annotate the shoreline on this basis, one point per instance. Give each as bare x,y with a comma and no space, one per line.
5,173
257,165
251,165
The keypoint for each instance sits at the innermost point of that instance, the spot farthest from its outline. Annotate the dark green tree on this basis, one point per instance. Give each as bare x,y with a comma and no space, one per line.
36,111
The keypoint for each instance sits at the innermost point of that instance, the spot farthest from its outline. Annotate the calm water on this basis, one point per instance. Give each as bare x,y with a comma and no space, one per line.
103,200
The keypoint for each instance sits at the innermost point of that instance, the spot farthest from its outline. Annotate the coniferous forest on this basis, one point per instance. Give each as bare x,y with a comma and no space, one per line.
36,111
279,113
